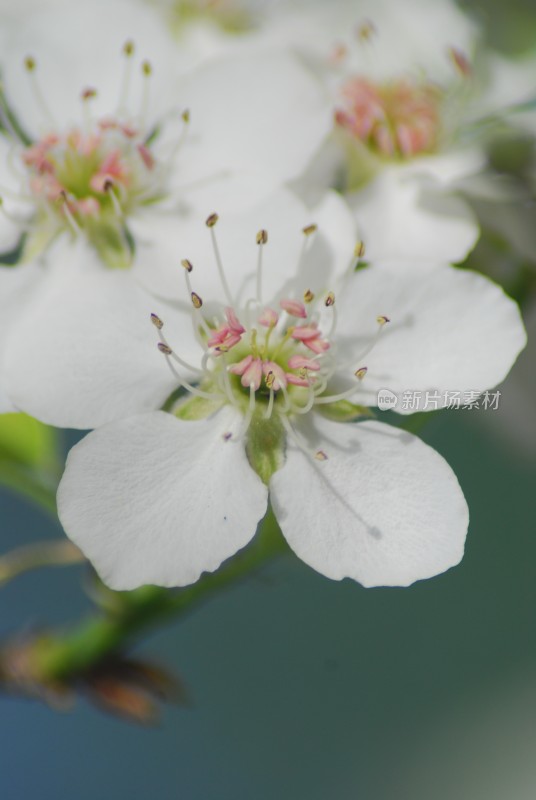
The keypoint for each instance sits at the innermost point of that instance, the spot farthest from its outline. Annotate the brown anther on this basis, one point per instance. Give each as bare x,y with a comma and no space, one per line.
330,299
212,220
359,250
366,31
360,373
262,237
221,348
89,93
321,456
308,296
164,348
460,61
147,68
188,266
128,48
186,116
196,300
310,229
29,63
382,320
269,380
108,185
157,322
227,436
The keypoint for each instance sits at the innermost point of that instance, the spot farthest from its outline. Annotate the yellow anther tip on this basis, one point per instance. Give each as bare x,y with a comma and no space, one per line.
196,300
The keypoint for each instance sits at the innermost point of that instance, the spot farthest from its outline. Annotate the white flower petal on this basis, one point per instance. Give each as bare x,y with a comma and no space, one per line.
326,169
448,168
507,83
17,285
162,241
84,350
76,46
384,508
255,112
449,329
200,185
413,36
401,217
155,500
336,224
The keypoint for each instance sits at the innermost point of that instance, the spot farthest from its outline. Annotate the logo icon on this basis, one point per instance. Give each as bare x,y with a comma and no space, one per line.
387,400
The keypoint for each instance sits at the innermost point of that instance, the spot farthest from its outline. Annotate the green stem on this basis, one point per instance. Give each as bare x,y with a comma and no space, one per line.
101,636
417,421
57,553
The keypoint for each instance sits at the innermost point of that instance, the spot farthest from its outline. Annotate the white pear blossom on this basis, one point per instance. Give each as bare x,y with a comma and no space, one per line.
105,134
105,148
60,366
271,368
413,92
422,72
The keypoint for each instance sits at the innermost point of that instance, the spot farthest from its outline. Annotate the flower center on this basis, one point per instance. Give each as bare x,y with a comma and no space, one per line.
268,363
274,355
279,358
91,178
400,119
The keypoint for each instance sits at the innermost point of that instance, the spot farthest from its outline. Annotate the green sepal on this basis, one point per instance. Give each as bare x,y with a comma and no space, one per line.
37,240
343,411
112,243
185,12
265,445
194,408
10,258
362,165
13,125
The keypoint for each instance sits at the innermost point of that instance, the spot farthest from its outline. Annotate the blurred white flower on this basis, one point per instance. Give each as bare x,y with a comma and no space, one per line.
267,373
101,142
107,144
414,94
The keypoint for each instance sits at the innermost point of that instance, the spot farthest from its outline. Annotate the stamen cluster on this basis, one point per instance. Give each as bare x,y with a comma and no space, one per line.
400,119
277,353
92,177
282,359
86,176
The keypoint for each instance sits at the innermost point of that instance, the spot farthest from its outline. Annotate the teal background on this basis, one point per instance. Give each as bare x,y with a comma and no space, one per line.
303,687
307,688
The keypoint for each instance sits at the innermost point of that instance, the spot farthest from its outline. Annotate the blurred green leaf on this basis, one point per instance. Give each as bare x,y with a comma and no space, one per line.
29,458
25,440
